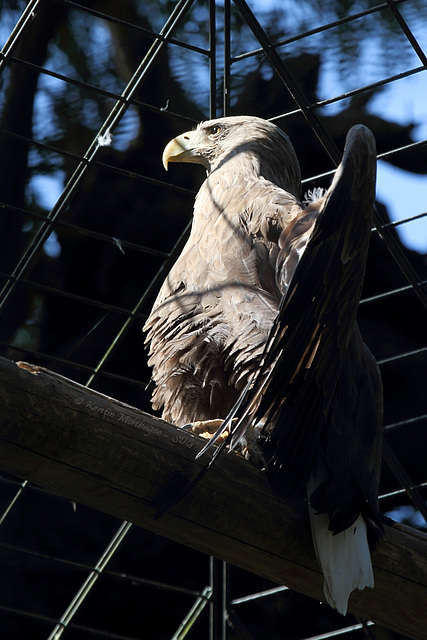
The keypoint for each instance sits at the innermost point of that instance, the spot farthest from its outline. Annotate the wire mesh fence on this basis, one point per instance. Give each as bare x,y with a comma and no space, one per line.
90,225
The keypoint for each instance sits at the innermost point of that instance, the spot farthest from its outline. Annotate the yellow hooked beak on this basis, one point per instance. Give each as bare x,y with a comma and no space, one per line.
183,148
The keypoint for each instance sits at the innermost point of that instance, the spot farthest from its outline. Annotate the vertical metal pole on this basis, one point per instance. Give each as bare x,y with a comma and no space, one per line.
219,600
227,58
212,58
217,629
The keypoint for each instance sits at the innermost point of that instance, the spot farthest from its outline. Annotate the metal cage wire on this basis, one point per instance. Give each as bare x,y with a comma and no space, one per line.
215,593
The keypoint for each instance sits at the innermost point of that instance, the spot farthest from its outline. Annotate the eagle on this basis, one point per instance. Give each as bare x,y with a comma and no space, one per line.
254,331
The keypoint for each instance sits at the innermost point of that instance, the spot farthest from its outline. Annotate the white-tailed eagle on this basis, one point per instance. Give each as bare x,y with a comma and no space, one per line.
257,321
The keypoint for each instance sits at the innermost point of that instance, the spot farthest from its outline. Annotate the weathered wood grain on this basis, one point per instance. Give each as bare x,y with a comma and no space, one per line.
93,449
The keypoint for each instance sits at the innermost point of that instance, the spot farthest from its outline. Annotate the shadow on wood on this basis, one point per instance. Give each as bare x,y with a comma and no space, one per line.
95,450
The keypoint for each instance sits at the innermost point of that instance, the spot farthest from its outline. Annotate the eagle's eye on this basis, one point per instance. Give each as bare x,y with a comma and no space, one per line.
215,129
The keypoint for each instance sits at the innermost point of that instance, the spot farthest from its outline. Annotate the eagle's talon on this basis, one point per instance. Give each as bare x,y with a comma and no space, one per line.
206,428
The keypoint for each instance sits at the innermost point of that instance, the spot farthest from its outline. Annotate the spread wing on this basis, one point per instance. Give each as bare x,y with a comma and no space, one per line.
318,389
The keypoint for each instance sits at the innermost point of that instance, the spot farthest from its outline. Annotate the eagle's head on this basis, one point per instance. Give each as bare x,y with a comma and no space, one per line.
257,145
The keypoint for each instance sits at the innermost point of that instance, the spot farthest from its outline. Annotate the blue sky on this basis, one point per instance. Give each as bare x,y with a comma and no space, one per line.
403,101
405,194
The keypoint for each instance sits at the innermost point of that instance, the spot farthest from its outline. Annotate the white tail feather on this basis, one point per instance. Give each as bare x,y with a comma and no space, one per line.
345,557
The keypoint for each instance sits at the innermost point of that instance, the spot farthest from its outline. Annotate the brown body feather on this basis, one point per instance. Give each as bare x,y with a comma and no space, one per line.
215,309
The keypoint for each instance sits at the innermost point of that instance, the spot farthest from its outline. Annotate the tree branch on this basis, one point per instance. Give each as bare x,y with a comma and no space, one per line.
93,449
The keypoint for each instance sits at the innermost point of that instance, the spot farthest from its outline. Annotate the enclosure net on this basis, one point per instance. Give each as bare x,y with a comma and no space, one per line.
90,225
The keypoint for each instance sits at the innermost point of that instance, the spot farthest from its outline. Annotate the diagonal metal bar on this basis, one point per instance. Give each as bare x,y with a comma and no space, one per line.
311,32
94,89
14,500
154,284
404,480
400,492
131,25
289,81
389,293
162,273
381,156
108,125
78,230
74,365
104,165
257,596
404,423
281,69
392,243
408,33
18,31
367,87
193,615
355,92
27,259
123,577
338,632
90,632
402,356
90,581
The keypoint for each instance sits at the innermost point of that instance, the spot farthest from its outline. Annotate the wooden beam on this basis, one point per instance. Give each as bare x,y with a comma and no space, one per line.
95,450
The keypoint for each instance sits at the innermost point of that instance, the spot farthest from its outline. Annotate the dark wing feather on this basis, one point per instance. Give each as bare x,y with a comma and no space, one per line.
318,388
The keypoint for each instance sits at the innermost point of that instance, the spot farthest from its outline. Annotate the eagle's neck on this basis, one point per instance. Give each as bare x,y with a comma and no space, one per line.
244,165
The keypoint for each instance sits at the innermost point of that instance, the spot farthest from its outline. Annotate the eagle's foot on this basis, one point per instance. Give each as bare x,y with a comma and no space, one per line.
206,428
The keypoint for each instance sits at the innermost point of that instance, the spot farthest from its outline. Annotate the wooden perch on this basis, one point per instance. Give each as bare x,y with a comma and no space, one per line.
87,447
